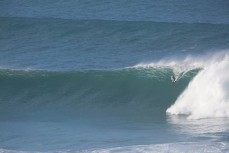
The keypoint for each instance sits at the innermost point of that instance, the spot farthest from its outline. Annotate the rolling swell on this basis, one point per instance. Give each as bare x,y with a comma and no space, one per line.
29,42
128,90
174,11
127,30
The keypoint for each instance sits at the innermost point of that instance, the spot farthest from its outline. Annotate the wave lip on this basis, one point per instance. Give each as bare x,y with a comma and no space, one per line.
207,95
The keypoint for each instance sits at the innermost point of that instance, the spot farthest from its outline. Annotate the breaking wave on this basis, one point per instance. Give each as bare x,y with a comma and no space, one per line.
129,90
207,95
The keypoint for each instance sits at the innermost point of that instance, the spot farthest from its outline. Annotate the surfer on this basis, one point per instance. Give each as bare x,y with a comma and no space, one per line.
173,78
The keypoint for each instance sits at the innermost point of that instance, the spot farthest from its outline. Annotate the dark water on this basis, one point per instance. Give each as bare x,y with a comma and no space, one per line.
95,76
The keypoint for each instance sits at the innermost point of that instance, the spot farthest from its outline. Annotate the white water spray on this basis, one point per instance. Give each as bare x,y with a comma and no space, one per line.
207,95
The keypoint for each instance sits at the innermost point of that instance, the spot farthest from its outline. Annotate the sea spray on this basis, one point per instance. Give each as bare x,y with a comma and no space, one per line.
207,95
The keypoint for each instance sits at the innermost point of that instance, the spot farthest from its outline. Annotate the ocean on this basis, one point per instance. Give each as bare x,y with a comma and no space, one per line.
93,76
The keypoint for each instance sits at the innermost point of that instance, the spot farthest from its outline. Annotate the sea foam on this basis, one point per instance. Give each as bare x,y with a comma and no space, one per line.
207,95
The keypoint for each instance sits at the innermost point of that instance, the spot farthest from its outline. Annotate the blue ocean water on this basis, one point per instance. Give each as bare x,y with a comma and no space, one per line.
95,76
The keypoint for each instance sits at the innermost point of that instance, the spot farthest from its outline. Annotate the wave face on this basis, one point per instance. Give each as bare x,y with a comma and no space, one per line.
133,90
207,94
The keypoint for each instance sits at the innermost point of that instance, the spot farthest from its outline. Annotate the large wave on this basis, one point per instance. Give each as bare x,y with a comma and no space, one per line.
136,90
145,88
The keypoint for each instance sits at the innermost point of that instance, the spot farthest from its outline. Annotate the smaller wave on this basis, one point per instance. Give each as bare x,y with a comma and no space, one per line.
152,148
167,147
207,95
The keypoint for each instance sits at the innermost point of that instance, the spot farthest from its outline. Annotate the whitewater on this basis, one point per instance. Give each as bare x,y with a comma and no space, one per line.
95,76
212,83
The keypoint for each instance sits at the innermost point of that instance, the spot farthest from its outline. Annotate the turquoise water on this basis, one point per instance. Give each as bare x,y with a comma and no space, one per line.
95,76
